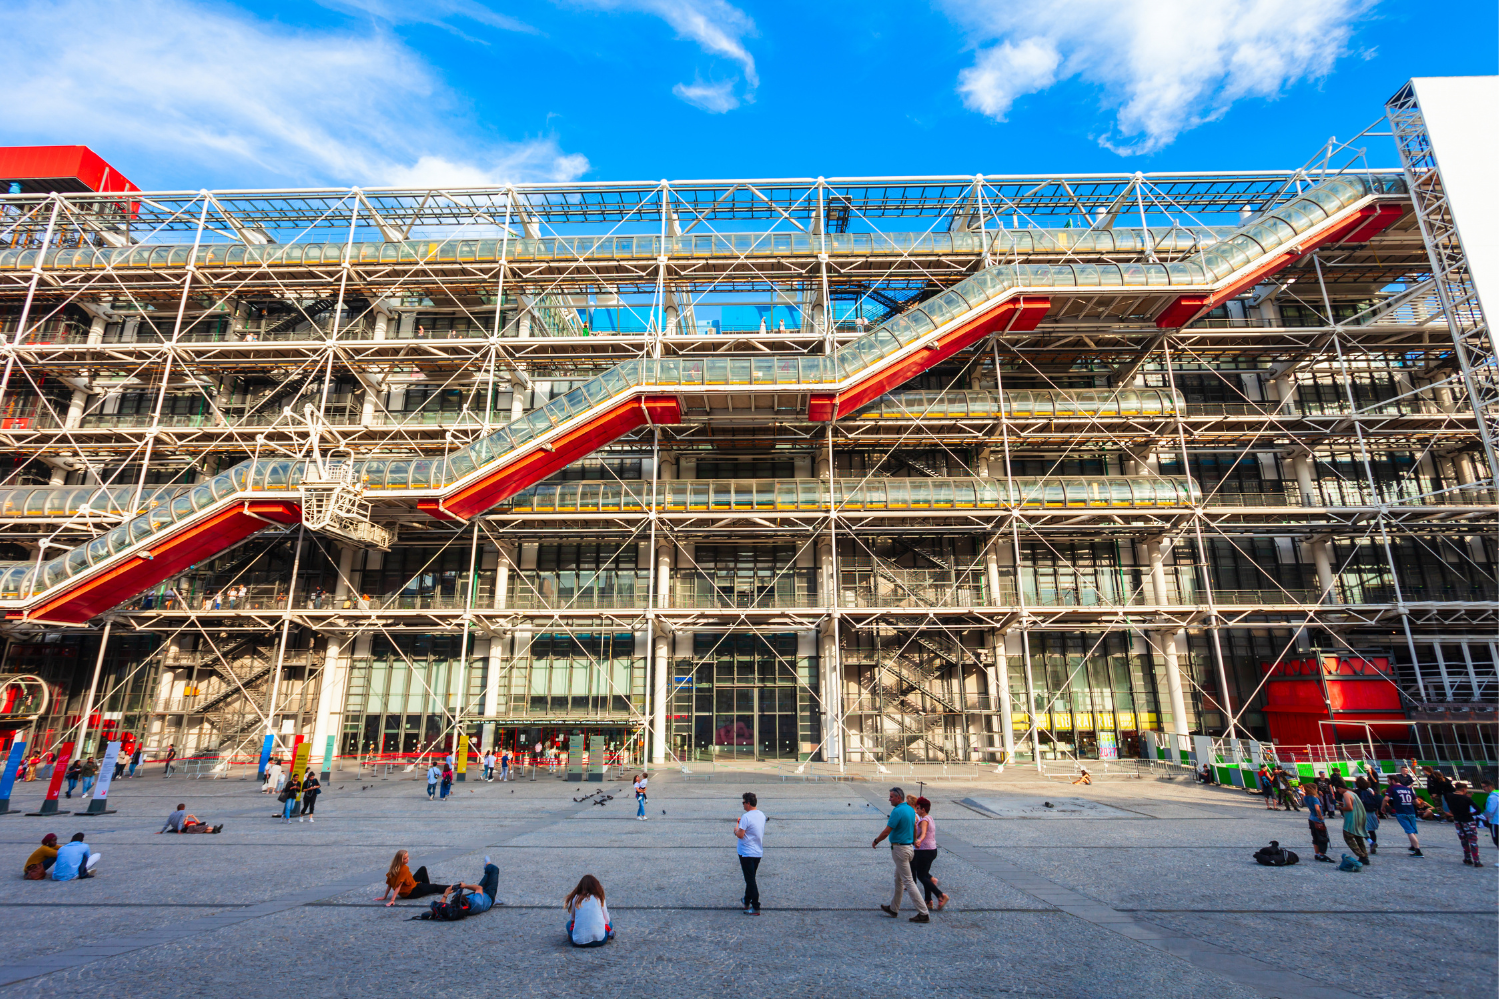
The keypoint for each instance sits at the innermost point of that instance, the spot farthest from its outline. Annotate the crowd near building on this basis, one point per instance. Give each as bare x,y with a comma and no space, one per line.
960,469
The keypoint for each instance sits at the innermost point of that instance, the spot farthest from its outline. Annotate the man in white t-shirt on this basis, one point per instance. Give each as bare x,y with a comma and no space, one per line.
750,831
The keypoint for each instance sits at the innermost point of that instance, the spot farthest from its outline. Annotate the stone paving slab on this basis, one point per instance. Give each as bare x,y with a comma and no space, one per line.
1158,904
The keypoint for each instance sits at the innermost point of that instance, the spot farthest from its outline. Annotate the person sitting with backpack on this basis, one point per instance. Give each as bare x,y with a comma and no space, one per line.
288,797
588,923
41,859
462,900
181,821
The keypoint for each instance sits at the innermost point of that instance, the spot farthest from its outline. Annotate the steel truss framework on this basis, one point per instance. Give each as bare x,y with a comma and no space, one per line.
1333,422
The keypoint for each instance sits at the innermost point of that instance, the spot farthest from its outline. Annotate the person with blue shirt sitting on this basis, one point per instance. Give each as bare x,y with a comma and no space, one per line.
900,827
74,861
481,897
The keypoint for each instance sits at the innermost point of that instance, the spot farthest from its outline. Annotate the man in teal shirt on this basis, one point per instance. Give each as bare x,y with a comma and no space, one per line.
901,828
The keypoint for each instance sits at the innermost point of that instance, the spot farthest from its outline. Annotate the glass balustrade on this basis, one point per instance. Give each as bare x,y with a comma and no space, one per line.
1024,403
805,495
1027,242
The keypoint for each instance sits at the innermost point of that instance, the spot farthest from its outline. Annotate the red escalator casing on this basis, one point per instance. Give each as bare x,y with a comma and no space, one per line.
1362,226
1017,314
507,480
98,593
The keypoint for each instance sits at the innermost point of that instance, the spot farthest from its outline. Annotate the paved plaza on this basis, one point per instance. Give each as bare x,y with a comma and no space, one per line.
1125,888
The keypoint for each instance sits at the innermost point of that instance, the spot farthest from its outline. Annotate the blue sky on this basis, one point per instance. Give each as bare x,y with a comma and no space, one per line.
186,93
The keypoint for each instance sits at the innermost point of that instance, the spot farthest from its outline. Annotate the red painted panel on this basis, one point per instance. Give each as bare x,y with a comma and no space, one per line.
822,408
1294,729
536,465
1360,218
1295,695
1019,315
662,409
1294,707
1363,695
1182,311
1385,217
433,508
195,542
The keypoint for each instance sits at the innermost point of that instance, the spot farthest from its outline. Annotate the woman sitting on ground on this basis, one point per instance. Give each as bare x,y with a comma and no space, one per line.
401,883
181,822
41,859
588,922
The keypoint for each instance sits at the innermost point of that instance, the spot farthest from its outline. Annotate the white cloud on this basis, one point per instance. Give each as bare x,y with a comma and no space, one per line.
1006,71
540,160
715,98
433,12
204,89
718,28
1162,66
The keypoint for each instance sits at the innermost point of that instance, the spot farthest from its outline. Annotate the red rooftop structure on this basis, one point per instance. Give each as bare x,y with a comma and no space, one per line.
63,169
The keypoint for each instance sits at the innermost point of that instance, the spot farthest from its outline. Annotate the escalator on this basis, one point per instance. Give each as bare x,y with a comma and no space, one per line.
189,525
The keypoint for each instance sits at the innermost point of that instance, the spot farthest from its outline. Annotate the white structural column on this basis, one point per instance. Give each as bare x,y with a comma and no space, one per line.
484,649
999,665
500,644
1320,548
345,568
335,683
330,701
661,649
999,662
830,689
79,402
374,380
1169,642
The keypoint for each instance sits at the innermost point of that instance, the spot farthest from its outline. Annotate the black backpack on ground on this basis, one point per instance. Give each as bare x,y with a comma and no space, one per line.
1275,855
456,908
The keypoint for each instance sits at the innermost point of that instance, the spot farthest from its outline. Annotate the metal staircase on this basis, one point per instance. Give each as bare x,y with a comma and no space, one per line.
311,314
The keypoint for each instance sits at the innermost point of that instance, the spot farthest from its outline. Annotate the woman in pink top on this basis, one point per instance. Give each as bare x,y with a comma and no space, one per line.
926,852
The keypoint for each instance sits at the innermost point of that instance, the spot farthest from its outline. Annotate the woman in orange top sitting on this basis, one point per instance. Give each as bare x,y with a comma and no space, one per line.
401,883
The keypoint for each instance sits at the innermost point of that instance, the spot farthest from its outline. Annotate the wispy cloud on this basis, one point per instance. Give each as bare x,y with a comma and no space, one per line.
715,98
181,83
718,28
440,13
1162,66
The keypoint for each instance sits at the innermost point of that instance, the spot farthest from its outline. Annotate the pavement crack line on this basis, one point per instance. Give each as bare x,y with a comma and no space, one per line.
1268,979
46,964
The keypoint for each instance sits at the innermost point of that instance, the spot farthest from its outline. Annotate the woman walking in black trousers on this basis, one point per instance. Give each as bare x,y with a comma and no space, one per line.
311,788
926,852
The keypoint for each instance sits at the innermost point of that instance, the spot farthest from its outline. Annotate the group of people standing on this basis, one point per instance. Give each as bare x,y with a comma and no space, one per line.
230,597
912,833
1366,802
441,774
84,771
491,761
298,796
